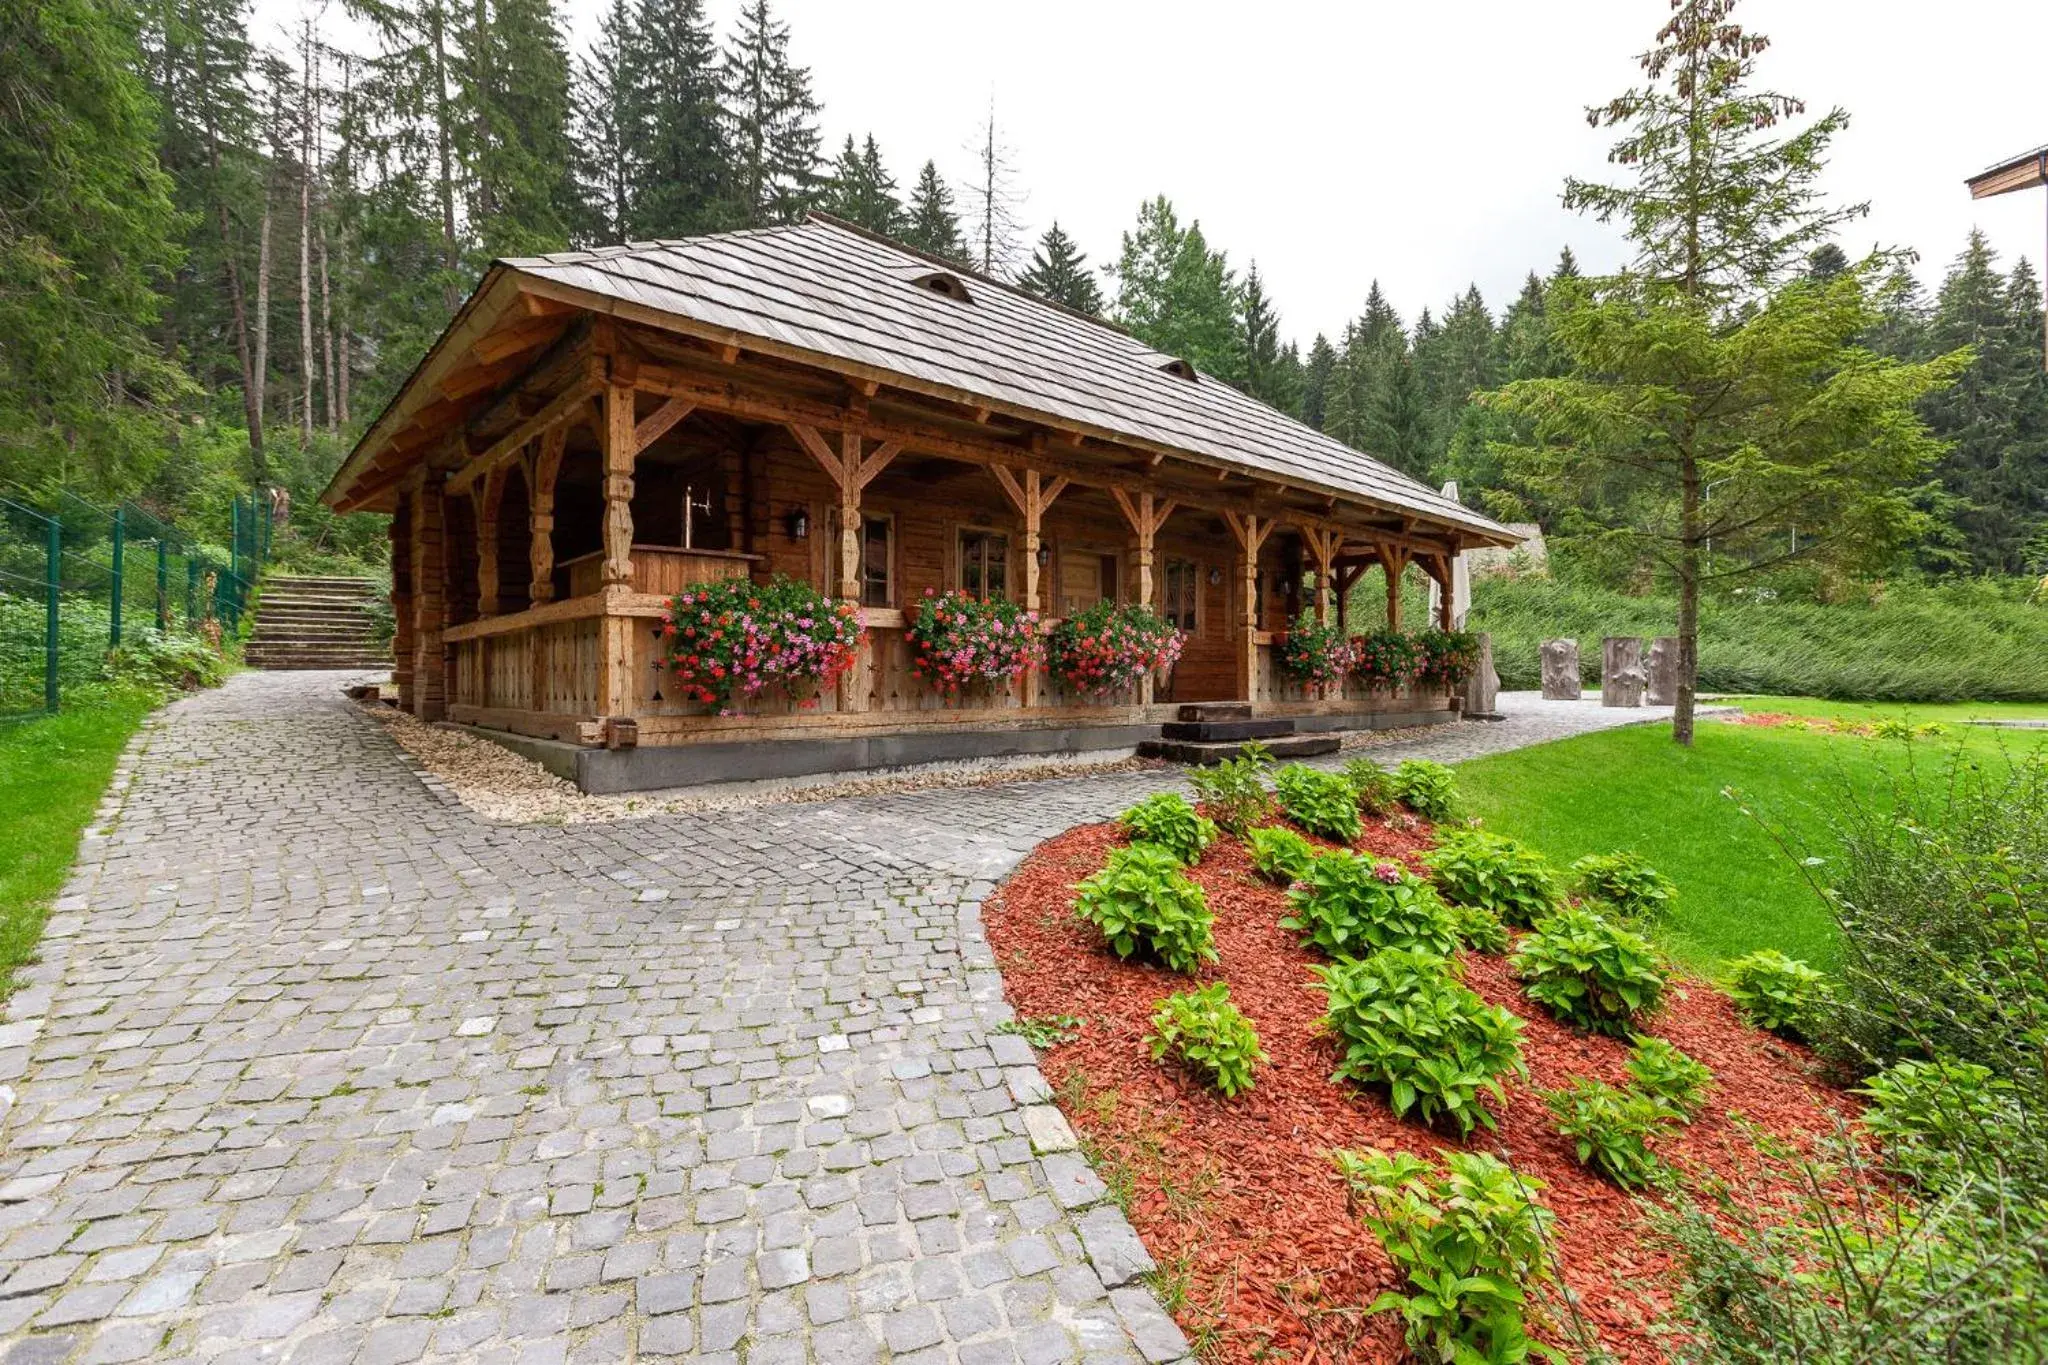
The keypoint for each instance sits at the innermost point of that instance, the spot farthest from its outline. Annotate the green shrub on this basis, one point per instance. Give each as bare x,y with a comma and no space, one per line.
1372,784
1633,889
1661,1070
1468,1239
1281,855
1611,1130
1429,789
1210,1037
1405,1021
1589,973
1166,820
1144,905
1348,906
1925,1112
1958,639
1479,928
1321,803
1513,881
1776,992
1235,789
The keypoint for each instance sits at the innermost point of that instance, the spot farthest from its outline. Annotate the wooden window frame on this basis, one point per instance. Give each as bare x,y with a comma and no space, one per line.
1194,592
985,533
889,593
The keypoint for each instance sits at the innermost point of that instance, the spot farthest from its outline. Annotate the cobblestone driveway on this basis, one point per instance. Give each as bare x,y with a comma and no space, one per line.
320,1067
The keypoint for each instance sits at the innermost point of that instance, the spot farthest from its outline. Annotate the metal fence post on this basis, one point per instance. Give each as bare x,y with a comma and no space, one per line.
191,590
53,577
163,582
235,535
114,617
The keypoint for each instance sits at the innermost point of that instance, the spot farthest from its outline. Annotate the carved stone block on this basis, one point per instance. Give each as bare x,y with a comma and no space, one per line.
1621,671
1482,689
1560,670
1663,671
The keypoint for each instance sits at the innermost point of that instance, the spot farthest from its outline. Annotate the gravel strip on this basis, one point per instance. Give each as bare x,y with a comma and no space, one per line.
505,787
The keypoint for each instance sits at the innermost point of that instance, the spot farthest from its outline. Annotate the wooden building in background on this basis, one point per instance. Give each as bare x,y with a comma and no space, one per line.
598,429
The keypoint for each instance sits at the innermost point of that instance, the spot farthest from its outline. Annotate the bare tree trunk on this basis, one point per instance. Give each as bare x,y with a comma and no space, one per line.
306,358
326,304
1688,597
252,403
347,182
262,359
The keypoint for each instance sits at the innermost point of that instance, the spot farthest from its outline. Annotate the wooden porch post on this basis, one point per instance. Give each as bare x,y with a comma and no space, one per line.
851,472
1325,545
429,598
541,486
401,599
1251,536
1030,495
1446,609
1394,560
488,496
615,643
1146,514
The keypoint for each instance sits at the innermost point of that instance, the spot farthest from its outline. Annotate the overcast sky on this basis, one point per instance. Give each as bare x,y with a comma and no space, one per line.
1421,144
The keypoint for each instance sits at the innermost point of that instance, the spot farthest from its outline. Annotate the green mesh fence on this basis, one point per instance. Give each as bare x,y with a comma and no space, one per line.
80,582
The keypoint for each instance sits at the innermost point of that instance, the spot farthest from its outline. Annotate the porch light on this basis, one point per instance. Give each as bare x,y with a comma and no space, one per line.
1215,575
799,524
1044,554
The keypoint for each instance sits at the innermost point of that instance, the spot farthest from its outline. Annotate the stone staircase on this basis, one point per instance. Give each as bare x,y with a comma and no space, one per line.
1210,732
316,623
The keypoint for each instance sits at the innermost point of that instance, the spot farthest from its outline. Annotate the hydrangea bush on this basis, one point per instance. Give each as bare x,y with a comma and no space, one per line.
1166,820
1210,1036
1146,907
1497,874
722,641
1321,803
1111,646
1591,974
1348,906
976,645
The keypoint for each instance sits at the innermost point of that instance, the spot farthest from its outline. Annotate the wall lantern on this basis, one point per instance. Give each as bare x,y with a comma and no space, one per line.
1215,575
1044,554
799,524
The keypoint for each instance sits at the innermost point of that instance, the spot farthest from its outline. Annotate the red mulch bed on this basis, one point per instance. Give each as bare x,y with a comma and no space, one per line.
1238,1200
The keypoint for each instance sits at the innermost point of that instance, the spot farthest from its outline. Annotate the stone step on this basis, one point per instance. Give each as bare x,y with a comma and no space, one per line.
255,652
1199,754
315,581
1205,731
368,663
296,598
339,611
1196,712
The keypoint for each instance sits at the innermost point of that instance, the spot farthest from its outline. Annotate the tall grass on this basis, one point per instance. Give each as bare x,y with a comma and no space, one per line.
1978,640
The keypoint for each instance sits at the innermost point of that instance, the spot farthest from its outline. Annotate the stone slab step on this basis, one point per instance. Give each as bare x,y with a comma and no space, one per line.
1196,712
1205,731
1199,754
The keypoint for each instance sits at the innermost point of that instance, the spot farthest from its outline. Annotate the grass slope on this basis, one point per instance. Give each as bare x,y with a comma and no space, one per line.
52,772
1634,789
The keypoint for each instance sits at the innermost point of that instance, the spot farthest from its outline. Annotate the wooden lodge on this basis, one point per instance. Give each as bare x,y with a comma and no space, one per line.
597,430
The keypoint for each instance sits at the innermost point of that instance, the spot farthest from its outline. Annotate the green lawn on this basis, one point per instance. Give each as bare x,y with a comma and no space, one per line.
1916,712
52,772
1634,789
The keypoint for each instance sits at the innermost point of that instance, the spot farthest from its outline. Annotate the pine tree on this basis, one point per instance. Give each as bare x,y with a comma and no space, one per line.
88,231
601,104
930,224
673,128
1177,295
1059,271
1266,378
1315,381
862,191
774,122
516,145
1713,360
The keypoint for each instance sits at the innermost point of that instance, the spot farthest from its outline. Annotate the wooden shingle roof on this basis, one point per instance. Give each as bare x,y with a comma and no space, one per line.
828,290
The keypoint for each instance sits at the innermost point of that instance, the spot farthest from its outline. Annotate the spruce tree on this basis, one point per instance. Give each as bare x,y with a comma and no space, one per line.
516,143
774,122
1059,271
930,224
674,128
1259,332
601,103
862,191
1315,381
1177,295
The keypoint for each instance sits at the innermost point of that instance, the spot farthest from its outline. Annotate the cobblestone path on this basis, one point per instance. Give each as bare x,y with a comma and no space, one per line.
317,1066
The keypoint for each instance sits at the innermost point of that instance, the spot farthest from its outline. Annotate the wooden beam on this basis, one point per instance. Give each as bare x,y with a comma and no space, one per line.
819,449
561,408
659,422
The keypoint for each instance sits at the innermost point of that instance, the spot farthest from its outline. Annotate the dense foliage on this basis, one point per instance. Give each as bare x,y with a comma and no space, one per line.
1622,884
961,643
1591,974
1509,878
734,639
1321,803
1426,787
1208,1034
1611,1130
1165,820
1663,1071
1349,906
1145,906
1234,791
1111,646
1281,855
1777,992
1469,1239
1445,658
1404,1020
1372,784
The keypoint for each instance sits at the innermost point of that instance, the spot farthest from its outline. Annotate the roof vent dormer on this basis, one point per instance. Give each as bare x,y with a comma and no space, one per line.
1178,368
946,283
